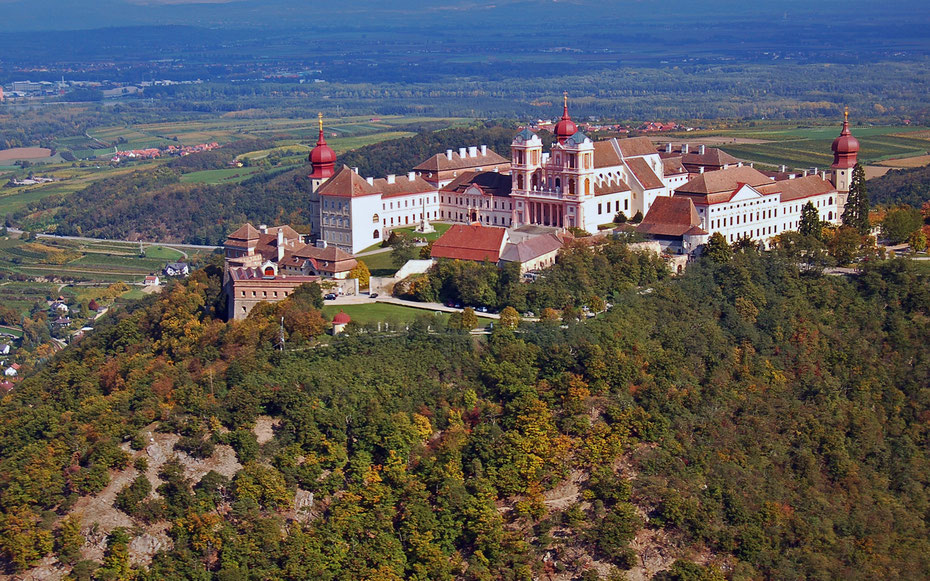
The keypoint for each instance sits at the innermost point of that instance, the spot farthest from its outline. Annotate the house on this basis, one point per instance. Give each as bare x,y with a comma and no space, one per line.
268,264
674,223
4,349
60,307
533,252
471,242
177,269
62,322
6,387
151,280
12,370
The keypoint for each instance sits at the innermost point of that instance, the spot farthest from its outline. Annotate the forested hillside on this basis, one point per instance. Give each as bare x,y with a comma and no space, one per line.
902,186
742,421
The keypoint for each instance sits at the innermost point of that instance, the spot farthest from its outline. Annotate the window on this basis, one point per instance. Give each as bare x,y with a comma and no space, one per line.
376,234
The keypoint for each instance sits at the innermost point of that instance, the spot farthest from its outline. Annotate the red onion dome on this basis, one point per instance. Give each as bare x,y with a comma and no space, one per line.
845,147
845,143
322,157
566,127
341,318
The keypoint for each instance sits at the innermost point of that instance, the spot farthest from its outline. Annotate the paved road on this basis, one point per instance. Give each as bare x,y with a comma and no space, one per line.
85,239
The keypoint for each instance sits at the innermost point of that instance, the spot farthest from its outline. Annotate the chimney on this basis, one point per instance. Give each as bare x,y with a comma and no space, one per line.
751,164
740,164
701,169
280,243
815,171
823,175
701,149
684,148
355,169
321,243
391,178
371,181
668,147
449,154
263,228
411,176
473,151
484,150
804,173
462,152
782,169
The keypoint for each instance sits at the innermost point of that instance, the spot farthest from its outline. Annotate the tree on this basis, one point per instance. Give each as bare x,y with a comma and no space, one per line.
362,273
309,293
718,249
900,223
856,212
510,318
918,241
810,224
469,318
404,249
637,217
844,244
620,218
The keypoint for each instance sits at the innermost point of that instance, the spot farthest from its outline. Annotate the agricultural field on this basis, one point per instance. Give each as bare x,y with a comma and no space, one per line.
88,262
220,176
808,147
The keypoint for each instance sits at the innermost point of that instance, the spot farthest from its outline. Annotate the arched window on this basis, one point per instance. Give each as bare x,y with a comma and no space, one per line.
829,215
571,187
535,181
376,235
269,271
558,183
830,201
520,181
587,187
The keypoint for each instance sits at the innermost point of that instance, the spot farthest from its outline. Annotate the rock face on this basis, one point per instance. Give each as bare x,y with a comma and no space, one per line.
99,517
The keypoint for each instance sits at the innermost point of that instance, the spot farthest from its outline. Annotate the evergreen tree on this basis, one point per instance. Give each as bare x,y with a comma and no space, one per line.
718,249
856,213
810,224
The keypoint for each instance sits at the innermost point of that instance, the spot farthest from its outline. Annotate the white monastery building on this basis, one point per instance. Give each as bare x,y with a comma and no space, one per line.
578,183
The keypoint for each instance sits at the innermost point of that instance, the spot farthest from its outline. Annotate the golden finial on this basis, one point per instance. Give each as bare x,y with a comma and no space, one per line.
846,114
321,121
565,95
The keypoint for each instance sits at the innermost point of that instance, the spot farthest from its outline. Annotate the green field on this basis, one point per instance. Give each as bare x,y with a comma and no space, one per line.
379,264
807,147
219,176
375,312
103,262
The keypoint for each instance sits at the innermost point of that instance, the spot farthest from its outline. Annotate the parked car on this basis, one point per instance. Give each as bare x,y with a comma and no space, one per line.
330,296
482,309
373,296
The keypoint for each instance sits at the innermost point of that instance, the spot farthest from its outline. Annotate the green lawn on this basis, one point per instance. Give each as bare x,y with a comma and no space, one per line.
375,312
379,264
379,312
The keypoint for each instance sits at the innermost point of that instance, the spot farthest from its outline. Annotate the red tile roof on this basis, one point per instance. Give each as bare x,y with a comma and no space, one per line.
636,146
644,173
490,182
347,184
606,154
440,162
714,187
470,242
245,232
611,188
671,216
799,188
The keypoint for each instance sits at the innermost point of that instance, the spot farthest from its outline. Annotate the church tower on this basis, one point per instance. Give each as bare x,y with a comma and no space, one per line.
526,161
323,166
845,153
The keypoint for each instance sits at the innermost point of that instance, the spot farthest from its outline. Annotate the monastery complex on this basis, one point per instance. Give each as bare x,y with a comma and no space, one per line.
683,195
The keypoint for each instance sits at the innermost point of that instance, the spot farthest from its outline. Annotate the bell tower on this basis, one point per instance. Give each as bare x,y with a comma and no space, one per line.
526,161
845,154
323,166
